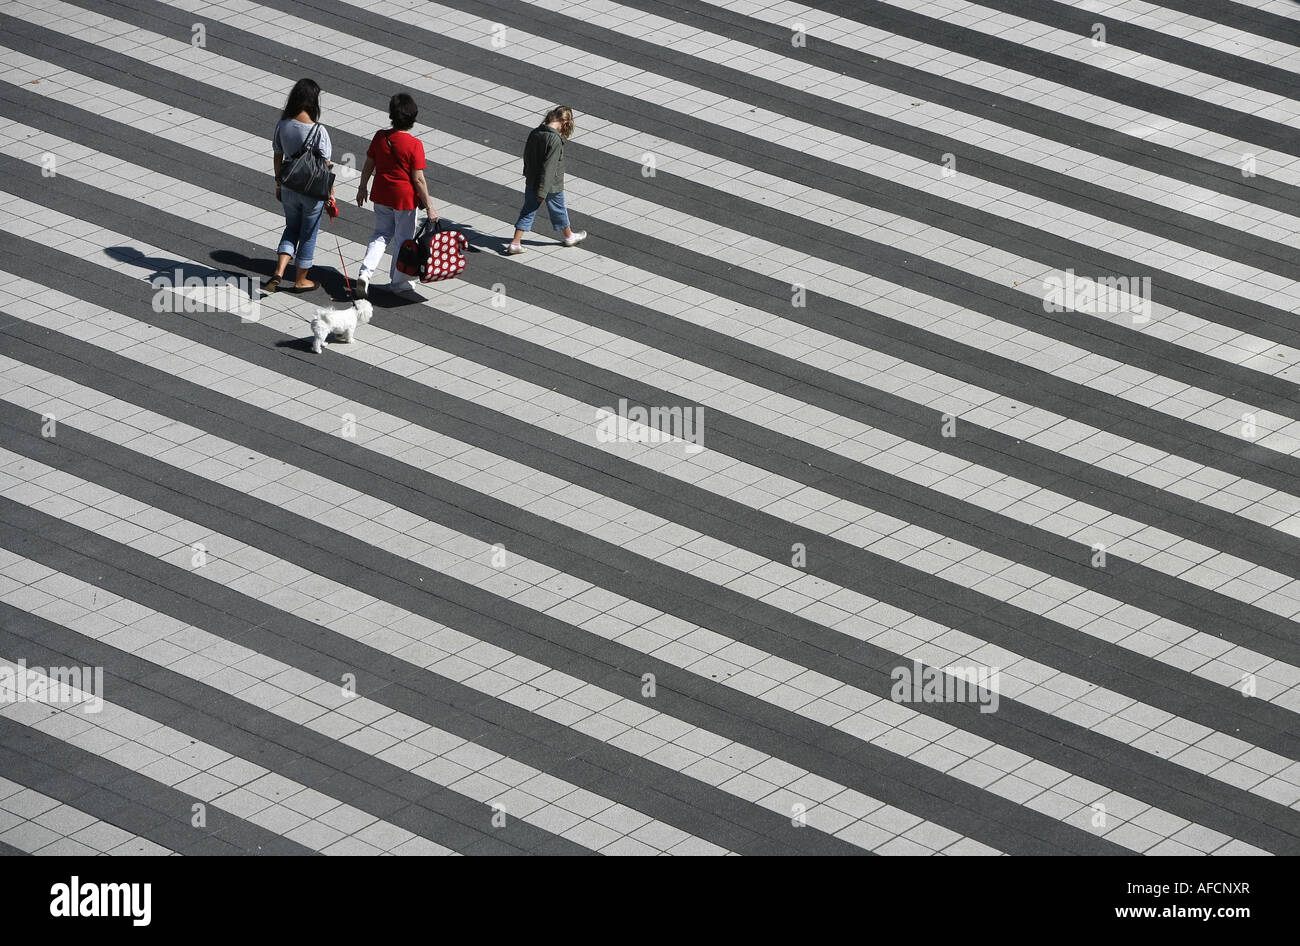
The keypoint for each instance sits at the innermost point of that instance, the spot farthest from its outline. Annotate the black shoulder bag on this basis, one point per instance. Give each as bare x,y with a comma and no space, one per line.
307,172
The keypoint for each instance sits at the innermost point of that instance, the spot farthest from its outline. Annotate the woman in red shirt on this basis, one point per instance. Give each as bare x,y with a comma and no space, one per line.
395,159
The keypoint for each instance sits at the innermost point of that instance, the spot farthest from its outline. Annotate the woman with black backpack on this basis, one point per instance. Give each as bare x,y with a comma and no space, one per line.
302,182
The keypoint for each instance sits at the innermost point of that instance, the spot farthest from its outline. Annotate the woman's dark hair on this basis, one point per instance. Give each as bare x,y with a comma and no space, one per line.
402,111
303,97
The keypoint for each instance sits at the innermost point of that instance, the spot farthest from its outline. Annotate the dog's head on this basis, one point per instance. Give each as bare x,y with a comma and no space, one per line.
363,311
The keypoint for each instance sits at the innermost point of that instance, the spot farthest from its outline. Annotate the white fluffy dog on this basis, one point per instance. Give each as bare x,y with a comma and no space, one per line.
338,321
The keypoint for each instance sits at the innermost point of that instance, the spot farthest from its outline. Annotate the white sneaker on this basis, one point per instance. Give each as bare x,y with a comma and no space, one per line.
578,237
514,249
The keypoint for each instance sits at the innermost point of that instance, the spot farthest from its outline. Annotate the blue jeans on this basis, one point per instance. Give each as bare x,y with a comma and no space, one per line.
301,224
554,206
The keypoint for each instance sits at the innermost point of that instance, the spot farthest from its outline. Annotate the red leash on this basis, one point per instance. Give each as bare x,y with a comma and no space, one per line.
331,206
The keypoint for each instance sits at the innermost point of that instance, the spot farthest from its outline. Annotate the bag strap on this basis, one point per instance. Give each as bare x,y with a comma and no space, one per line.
310,141
388,139
410,172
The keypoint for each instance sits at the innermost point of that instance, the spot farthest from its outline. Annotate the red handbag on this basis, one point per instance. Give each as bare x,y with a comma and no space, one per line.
433,253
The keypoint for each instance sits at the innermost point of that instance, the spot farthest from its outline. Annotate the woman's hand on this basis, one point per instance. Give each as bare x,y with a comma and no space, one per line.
433,214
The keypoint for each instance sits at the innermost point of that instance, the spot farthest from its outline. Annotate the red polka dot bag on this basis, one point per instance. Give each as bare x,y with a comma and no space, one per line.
433,253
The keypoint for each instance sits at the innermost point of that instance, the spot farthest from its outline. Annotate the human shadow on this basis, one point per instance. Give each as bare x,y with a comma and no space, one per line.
478,241
329,278
198,288
255,266
161,267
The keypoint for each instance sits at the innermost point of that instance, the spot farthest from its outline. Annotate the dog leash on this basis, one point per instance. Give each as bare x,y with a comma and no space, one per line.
346,282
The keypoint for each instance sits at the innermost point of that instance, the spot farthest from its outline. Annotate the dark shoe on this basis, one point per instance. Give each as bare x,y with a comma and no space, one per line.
361,289
307,288
271,285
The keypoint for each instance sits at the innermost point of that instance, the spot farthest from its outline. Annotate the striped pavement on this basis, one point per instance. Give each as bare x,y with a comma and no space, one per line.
421,595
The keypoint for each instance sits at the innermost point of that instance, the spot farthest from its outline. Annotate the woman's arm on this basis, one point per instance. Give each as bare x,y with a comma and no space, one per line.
422,190
276,160
327,152
363,188
548,167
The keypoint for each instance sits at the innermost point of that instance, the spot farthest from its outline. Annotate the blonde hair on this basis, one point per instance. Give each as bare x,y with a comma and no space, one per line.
564,115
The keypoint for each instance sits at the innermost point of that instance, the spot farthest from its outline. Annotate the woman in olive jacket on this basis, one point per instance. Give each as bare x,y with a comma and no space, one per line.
544,178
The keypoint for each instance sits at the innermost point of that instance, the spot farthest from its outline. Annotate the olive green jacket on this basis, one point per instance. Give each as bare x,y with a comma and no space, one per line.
544,161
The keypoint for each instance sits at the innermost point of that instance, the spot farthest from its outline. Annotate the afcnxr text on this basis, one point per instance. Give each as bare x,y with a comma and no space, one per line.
78,899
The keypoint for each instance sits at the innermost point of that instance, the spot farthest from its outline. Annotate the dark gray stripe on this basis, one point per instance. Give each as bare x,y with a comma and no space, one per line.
278,744
1181,364
911,588
793,164
121,797
818,648
620,776
1106,412
1047,123
325,765
7,850
1166,596
949,283
1239,16
835,755
1150,42
1090,79
1022,176
1157,592
1181,601
554,643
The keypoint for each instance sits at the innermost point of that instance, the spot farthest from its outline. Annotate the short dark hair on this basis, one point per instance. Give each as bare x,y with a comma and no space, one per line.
402,111
303,97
